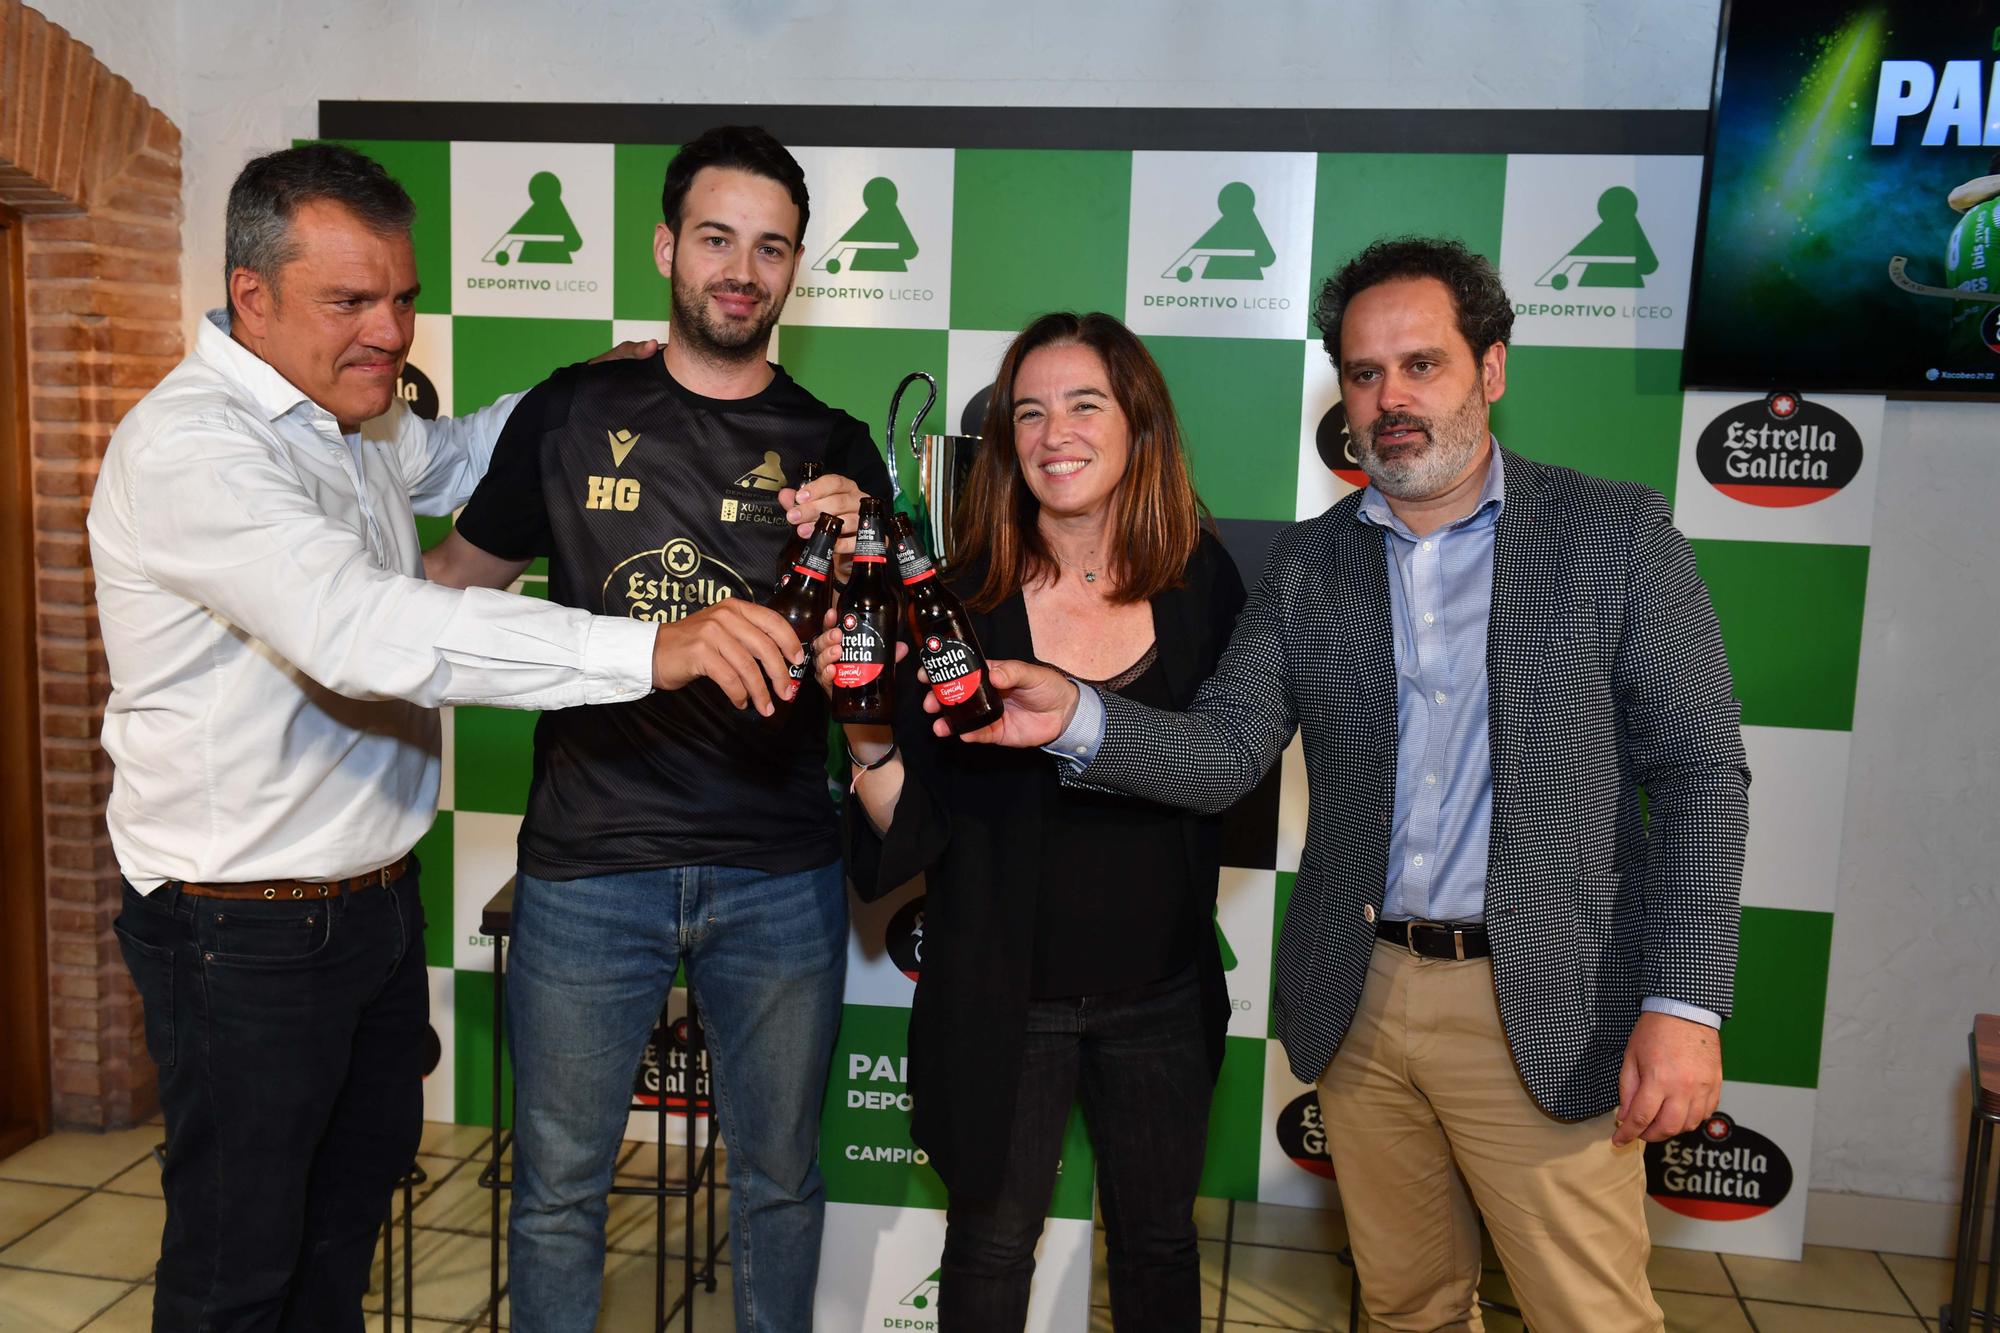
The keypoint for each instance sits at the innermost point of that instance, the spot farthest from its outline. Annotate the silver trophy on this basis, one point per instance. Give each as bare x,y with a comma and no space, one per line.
943,464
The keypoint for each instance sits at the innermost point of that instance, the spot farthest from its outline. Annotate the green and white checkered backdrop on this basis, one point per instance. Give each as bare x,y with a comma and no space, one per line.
1206,232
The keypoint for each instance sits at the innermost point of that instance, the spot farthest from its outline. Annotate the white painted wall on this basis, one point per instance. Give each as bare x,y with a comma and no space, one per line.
1917,925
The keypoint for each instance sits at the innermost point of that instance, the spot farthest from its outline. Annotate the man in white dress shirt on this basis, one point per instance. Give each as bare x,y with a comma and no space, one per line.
276,661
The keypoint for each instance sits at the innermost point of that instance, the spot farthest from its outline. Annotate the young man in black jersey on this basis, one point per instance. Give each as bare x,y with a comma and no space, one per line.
680,827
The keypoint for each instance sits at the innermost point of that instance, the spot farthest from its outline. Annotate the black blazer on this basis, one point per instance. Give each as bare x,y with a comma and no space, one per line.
970,820
1605,674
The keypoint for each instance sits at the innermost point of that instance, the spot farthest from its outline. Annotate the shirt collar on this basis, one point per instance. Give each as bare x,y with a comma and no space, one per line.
1375,509
258,378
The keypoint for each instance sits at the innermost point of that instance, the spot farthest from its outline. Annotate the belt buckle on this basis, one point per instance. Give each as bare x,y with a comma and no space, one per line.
1457,937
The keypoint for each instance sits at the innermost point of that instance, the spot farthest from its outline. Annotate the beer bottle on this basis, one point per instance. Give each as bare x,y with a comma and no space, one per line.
942,634
802,598
795,546
864,680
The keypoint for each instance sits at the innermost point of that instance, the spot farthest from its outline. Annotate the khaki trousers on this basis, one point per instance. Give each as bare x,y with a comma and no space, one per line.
1426,1118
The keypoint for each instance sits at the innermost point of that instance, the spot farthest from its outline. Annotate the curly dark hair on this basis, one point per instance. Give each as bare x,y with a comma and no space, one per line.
1485,314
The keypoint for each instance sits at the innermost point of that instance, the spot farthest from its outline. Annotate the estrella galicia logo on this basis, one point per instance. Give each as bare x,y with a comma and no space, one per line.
1721,1172
1336,447
1779,453
904,938
416,390
972,421
1302,1135
673,1072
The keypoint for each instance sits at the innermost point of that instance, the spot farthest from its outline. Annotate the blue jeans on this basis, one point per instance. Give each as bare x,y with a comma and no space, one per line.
1138,1061
587,977
290,1039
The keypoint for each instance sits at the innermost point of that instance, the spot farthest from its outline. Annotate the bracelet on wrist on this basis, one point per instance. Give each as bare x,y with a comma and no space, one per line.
860,767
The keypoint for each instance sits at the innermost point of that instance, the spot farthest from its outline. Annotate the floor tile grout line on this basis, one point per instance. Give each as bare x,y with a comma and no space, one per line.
1901,1290
88,1192
1741,1304
66,1272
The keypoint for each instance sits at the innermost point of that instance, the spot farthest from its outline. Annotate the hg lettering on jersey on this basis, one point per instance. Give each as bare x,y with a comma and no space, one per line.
620,493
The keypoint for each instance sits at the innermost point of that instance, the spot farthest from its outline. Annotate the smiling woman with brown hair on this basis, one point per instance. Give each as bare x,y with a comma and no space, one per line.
1070,952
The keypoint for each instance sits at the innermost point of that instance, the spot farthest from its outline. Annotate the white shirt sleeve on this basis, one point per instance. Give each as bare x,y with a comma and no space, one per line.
223,522
443,460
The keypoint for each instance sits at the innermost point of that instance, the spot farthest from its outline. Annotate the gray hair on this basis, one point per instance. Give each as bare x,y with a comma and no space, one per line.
258,230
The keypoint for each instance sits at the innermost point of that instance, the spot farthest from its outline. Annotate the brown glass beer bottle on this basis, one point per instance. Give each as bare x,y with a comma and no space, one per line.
864,680
942,635
802,598
795,546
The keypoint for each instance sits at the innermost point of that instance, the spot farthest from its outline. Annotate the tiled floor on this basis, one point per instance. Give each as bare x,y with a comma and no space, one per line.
80,1219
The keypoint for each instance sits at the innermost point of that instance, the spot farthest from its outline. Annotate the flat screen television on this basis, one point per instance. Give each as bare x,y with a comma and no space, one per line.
1850,216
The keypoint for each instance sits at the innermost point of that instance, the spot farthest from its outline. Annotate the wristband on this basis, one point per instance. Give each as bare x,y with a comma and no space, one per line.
860,767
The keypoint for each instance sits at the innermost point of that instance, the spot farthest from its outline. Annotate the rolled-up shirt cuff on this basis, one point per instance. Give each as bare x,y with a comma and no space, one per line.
1085,733
618,659
1654,1004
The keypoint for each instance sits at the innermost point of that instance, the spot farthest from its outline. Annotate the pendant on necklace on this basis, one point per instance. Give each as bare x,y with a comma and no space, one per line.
1090,576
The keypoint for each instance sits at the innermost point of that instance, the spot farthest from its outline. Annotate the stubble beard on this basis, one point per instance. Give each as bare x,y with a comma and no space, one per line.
732,342
1419,471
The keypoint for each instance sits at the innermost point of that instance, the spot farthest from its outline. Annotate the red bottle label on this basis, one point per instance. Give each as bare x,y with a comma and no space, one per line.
865,652
955,669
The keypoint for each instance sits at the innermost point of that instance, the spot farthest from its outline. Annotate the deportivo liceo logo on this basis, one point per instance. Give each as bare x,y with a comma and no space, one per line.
1780,452
1721,1172
924,1295
1616,253
878,242
544,234
1234,248
1302,1135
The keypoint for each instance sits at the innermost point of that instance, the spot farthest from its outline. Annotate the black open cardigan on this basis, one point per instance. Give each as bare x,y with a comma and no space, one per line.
970,820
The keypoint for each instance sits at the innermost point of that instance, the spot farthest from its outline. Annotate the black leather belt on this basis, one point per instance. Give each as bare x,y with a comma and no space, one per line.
1436,939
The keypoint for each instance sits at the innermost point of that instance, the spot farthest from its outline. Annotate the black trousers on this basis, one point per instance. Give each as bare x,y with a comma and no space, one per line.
1139,1063
291,1039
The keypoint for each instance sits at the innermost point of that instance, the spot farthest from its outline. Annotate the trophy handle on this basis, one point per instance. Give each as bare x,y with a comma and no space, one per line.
930,400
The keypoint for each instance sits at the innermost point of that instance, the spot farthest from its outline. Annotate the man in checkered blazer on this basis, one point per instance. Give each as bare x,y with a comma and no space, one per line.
1501,970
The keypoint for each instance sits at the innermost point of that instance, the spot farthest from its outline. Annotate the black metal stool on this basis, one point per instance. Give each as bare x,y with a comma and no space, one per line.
412,1178
497,921
1984,1043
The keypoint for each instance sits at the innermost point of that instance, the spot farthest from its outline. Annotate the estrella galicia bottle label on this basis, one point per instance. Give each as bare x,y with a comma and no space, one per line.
954,667
864,652
912,565
869,548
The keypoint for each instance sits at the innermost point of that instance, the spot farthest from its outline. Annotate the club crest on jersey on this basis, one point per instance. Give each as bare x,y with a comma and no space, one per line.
767,477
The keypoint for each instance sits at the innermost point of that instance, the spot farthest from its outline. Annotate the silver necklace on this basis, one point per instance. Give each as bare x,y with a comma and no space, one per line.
1089,575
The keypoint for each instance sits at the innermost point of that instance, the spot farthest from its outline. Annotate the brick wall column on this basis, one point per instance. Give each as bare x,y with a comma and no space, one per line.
94,170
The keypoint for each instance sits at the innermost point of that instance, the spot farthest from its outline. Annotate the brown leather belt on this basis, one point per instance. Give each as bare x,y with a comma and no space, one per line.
287,890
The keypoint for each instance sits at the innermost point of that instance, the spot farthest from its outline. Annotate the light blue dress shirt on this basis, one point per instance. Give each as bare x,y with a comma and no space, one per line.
1440,599
1440,602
